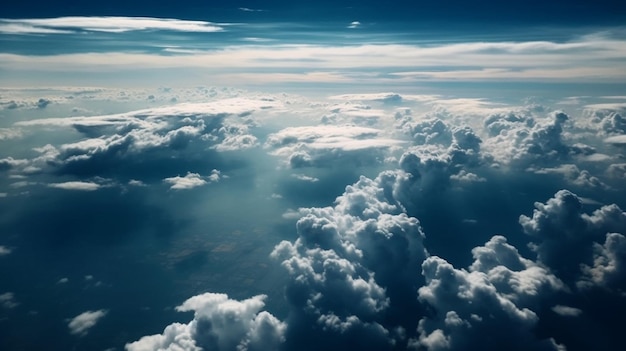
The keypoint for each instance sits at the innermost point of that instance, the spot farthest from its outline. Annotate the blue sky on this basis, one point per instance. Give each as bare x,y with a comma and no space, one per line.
327,175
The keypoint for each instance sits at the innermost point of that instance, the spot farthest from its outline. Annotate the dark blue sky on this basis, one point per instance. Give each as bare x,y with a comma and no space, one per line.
452,12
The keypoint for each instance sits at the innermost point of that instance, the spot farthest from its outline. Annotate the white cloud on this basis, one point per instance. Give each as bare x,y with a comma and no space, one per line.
535,60
566,311
354,24
313,146
384,97
351,265
7,300
616,140
189,181
76,185
609,264
493,298
62,25
305,178
10,133
567,237
81,324
4,250
219,323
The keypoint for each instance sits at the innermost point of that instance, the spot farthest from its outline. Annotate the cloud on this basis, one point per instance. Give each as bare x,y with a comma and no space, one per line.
9,133
247,9
76,185
353,270
487,306
81,324
572,61
219,323
618,140
318,146
566,311
190,181
573,175
7,300
4,250
10,163
566,235
354,24
151,142
609,264
385,97
65,25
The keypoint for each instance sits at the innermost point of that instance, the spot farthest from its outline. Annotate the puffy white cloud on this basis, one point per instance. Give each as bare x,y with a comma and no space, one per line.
81,324
487,306
566,235
353,269
219,323
522,140
609,264
192,180
617,170
144,138
9,163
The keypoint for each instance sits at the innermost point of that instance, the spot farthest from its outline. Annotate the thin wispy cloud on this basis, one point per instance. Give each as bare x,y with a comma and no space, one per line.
600,59
65,25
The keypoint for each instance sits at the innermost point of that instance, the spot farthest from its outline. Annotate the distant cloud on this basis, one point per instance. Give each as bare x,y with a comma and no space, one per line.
81,324
388,62
4,250
354,24
64,25
616,140
76,185
192,180
315,146
566,311
7,300
247,9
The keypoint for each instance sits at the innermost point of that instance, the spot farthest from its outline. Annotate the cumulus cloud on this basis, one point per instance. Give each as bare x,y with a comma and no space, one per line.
609,264
81,324
353,270
487,306
219,323
567,236
190,181
150,139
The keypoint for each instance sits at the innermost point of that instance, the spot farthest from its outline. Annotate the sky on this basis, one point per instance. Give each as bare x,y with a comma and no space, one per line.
326,175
